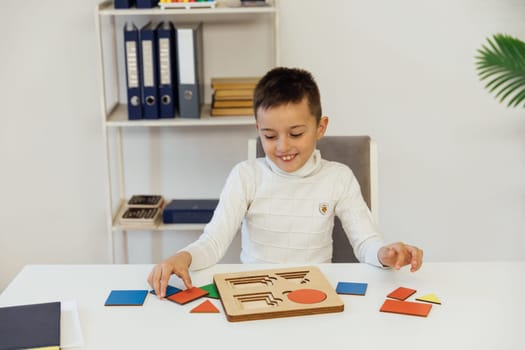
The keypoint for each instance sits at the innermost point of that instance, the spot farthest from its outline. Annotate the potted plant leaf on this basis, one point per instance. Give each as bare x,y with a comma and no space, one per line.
501,63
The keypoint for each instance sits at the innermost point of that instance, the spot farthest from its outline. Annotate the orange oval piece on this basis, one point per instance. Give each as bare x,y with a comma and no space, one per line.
306,296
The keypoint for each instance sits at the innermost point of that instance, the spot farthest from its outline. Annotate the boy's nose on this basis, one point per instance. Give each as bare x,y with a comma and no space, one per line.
283,144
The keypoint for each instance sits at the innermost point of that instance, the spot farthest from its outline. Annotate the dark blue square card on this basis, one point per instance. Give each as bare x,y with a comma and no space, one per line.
351,288
126,297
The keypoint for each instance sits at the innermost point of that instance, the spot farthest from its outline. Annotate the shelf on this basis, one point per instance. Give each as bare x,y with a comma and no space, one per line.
161,227
107,9
225,26
119,118
153,227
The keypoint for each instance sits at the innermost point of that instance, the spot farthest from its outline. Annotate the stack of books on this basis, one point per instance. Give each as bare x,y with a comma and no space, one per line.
142,211
233,96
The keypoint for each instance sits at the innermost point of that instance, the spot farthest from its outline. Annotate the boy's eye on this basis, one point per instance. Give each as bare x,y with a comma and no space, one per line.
296,135
269,137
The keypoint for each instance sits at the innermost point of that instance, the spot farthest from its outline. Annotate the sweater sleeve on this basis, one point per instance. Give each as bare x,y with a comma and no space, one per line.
357,220
218,234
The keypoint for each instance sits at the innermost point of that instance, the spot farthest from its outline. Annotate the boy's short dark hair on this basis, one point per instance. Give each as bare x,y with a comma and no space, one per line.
283,85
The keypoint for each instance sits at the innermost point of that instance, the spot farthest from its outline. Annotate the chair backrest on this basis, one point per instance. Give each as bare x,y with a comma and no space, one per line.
360,154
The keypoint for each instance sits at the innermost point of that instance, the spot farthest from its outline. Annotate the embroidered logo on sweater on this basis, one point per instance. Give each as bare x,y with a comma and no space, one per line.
323,208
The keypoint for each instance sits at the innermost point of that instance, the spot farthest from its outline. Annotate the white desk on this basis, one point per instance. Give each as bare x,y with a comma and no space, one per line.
482,308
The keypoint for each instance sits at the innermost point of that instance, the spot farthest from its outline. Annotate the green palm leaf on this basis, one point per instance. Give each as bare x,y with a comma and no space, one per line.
501,62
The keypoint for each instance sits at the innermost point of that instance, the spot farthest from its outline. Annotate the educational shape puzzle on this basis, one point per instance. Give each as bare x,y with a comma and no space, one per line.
205,307
406,307
170,290
262,294
352,288
429,298
187,295
401,293
126,298
212,290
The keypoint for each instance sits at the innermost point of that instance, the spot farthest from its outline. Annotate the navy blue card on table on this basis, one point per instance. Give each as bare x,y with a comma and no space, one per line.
30,326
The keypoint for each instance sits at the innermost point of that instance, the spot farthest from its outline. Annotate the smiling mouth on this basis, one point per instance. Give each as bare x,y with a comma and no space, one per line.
287,158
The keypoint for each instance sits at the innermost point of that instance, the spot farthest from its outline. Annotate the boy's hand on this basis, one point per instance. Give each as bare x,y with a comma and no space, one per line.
397,255
178,264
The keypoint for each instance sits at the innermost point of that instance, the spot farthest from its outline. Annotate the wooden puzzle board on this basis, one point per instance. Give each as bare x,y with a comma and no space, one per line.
261,294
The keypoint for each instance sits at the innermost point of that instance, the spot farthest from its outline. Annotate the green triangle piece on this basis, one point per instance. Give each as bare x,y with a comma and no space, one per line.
212,290
429,298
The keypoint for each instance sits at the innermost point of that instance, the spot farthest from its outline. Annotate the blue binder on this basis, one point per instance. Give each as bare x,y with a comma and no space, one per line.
133,75
149,71
146,4
189,70
166,64
123,4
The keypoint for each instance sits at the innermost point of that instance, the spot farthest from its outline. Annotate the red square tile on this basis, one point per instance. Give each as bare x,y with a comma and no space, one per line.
401,293
406,307
187,295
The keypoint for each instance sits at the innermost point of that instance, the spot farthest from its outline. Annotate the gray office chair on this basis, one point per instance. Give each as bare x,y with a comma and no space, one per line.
360,154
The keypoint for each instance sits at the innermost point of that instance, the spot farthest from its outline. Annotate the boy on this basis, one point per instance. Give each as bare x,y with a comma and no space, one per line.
277,199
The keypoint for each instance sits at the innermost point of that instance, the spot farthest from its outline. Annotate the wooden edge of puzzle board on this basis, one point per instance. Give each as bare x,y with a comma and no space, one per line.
245,296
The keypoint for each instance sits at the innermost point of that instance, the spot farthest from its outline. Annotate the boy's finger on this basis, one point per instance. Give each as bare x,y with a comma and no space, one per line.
155,280
391,252
185,277
164,279
417,258
400,259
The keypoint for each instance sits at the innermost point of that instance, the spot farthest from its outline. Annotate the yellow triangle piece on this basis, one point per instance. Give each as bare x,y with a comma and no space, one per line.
429,298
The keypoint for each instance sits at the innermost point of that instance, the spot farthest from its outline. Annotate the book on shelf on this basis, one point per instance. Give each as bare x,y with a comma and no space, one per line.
142,211
145,201
233,111
233,94
234,83
141,217
189,211
232,103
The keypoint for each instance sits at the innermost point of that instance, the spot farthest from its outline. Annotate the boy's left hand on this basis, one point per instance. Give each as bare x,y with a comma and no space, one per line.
397,255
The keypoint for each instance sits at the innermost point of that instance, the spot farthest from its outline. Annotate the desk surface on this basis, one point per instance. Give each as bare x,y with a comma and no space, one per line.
482,308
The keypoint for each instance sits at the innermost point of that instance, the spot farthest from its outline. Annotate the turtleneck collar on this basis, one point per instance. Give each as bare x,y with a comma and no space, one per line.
310,167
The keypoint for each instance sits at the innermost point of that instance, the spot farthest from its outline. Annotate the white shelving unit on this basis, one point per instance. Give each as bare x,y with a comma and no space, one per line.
114,112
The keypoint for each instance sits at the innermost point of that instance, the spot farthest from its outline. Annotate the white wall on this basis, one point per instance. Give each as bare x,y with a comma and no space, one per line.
51,152
452,160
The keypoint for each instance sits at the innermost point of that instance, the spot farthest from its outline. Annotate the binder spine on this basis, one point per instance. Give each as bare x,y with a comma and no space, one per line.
123,4
133,75
148,40
146,4
189,71
167,76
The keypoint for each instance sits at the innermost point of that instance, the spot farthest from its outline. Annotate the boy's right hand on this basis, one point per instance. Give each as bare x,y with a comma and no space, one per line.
178,264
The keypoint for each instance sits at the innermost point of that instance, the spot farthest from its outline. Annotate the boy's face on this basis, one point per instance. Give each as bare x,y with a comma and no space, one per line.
289,134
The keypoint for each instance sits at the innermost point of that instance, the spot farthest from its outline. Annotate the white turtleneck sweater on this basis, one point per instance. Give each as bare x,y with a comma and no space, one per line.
287,217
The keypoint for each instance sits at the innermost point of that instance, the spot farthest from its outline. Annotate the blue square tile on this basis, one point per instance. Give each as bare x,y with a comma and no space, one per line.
170,290
126,297
351,288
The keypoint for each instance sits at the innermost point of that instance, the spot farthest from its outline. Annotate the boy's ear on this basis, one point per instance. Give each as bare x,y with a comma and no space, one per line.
321,128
